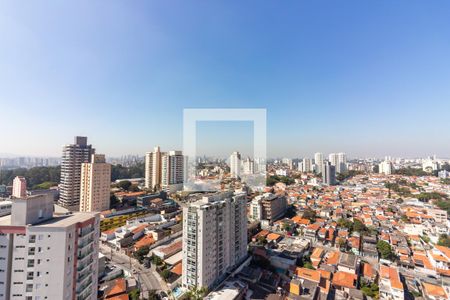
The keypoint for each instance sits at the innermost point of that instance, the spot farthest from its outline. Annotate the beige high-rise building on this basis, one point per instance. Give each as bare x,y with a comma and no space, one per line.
153,168
19,187
172,172
164,170
95,184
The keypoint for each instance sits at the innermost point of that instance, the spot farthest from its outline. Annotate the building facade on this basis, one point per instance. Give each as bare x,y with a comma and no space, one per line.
306,165
72,158
214,238
235,164
173,171
19,187
249,166
153,168
328,174
318,161
95,184
385,168
268,207
48,257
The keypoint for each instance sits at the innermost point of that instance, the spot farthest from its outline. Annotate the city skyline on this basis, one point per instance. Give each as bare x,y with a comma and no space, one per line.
364,79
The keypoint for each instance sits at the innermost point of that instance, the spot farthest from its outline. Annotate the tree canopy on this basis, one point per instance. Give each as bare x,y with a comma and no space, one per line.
385,250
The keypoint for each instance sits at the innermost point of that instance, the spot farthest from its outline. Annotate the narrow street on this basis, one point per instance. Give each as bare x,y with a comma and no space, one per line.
148,278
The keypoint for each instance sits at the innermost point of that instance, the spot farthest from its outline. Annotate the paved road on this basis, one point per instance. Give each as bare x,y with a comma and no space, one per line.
148,278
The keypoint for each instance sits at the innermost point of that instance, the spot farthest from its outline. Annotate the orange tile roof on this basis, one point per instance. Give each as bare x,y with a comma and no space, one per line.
333,258
317,253
177,269
325,274
262,233
434,290
426,262
308,274
393,276
300,221
120,286
444,250
368,270
109,231
314,227
147,240
139,228
344,279
439,257
273,236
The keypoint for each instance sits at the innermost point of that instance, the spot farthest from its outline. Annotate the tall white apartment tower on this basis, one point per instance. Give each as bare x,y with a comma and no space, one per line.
318,161
153,168
19,187
385,168
95,184
306,165
172,171
214,238
47,257
72,158
249,166
235,164
339,161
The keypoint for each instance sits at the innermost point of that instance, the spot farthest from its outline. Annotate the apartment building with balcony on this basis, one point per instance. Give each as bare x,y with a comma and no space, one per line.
268,207
47,257
95,184
73,156
214,237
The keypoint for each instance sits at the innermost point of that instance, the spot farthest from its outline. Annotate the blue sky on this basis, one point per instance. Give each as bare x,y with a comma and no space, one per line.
370,78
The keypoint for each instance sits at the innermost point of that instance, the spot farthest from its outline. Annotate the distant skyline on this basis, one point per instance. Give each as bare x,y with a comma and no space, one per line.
367,78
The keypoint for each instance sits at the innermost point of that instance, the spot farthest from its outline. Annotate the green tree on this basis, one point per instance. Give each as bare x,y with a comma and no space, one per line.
385,250
45,185
165,274
141,253
134,294
124,184
359,226
157,260
197,293
444,240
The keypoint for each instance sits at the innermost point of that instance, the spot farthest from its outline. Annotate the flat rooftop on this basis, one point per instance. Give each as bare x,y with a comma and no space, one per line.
56,221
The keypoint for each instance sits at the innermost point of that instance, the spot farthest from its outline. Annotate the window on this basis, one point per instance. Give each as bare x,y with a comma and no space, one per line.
32,238
30,263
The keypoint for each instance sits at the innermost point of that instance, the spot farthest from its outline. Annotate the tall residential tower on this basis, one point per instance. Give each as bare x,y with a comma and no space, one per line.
19,187
235,164
72,157
95,184
214,237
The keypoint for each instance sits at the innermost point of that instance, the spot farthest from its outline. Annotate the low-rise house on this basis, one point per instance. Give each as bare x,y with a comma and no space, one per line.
348,263
316,256
390,285
434,292
146,241
344,281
